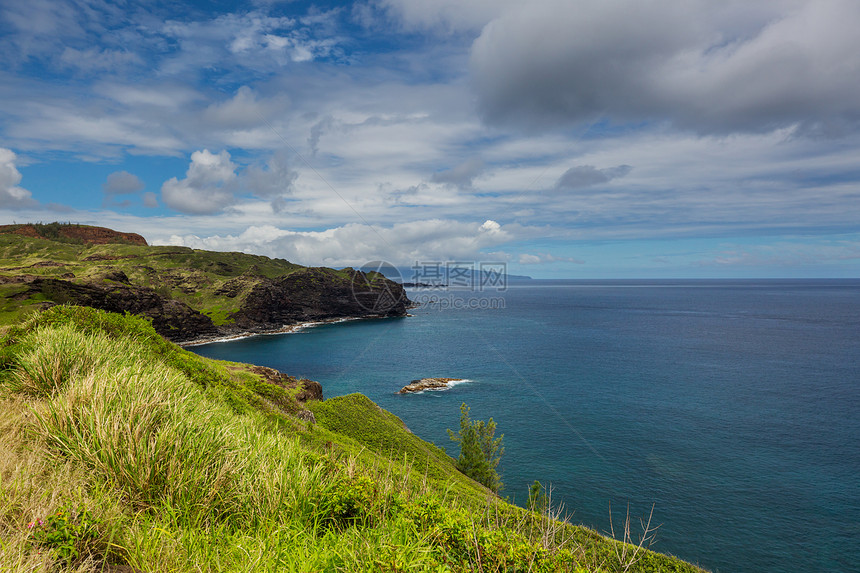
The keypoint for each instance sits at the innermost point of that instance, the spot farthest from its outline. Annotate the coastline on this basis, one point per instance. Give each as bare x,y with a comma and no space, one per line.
286,329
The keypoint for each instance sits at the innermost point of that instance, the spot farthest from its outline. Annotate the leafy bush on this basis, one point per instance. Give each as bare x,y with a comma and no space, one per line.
70,535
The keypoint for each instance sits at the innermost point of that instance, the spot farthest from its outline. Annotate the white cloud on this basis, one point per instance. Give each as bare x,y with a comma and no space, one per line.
214,182
208,186
491,227
355,245
11,195
236,42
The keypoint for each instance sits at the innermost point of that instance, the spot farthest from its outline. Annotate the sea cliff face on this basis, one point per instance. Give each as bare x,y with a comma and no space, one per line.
187,294
313,294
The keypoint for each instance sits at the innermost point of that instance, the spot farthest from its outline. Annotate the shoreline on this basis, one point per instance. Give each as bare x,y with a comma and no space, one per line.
286,329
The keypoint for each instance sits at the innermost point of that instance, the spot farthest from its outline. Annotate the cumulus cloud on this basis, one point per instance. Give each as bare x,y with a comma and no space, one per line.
355,245
208,187
588,176
711,67
461,175
11,195
214,182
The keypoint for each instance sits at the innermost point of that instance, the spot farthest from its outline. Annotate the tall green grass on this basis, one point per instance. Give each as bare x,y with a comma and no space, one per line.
160,460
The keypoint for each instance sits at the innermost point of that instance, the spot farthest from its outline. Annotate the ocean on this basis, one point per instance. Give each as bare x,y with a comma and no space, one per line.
732,407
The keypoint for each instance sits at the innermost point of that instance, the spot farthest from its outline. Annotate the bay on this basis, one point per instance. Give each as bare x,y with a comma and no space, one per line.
731,406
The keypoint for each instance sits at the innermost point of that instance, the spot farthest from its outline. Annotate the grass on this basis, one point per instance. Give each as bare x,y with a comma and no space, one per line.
117,447
192,276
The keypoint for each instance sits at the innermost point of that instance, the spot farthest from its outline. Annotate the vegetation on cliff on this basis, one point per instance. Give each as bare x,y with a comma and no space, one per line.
187,293
119,451
480,449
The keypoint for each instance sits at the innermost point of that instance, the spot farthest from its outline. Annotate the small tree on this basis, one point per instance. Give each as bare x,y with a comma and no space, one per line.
480,450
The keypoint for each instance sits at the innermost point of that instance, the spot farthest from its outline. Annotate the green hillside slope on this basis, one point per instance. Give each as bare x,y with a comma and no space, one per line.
119,451
187,293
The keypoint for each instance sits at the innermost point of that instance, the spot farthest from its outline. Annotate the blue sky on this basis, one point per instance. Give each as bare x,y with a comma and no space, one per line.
575,138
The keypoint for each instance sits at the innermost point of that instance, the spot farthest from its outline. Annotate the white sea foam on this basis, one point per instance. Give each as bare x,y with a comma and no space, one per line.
291,329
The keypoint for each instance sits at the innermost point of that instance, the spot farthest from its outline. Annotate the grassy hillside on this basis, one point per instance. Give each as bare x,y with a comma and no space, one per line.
197,278
187,293
120,451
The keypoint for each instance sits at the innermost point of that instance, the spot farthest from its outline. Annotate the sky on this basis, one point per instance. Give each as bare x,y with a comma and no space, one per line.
565,138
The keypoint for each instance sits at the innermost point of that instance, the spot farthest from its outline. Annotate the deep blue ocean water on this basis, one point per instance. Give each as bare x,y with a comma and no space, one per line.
732,406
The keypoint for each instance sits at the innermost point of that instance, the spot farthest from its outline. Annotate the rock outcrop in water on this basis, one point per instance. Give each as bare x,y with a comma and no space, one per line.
428,384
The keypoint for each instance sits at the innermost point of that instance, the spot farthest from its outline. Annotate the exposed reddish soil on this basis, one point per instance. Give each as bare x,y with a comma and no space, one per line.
83,233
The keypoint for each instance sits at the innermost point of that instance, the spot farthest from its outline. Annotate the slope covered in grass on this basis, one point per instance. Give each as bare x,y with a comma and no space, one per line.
188,293
119,449
193,277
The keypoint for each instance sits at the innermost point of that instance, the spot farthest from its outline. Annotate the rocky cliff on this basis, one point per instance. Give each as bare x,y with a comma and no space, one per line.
319,294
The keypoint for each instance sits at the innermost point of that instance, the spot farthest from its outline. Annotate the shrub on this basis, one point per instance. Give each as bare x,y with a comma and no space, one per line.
480,450
70,536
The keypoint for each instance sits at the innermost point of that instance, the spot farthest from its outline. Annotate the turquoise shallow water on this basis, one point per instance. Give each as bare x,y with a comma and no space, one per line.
732,406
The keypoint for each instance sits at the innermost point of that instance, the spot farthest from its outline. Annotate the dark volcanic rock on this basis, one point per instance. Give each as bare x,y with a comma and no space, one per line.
318,294
171,318
310,390
117,276
427,384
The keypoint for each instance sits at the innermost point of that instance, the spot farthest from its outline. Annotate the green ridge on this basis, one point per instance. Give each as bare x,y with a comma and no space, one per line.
188,275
